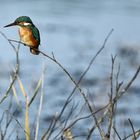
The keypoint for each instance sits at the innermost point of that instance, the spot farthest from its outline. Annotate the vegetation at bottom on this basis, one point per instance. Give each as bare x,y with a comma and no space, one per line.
65,124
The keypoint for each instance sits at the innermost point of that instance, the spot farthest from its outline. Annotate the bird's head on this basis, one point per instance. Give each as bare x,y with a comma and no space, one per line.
21,21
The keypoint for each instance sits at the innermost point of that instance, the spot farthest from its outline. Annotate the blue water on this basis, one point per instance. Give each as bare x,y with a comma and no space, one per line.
74,31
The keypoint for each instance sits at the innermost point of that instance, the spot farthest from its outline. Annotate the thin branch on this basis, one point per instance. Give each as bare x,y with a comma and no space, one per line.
125,89
111,109
136,133
16,68
132,128
14,48
117,133
95,56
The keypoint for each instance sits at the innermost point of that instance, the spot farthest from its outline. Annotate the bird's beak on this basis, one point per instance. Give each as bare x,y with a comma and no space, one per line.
11,24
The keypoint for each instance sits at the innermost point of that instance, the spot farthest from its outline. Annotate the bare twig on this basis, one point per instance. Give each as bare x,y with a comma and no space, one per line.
111,109
14,48
16,68
47,133
117,133
137,133
125,89
132,128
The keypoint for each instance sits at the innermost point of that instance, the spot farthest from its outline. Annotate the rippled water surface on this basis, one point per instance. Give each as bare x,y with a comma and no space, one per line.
74,31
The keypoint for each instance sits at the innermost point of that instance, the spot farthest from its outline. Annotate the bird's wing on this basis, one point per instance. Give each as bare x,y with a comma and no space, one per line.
35,33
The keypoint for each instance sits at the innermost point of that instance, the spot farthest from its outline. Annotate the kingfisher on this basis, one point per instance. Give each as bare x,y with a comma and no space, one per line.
28,32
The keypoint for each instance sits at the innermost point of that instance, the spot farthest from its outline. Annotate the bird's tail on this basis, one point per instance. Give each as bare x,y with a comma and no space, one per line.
34,51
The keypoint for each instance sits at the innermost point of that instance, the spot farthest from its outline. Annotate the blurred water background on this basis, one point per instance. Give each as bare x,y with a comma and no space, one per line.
74,31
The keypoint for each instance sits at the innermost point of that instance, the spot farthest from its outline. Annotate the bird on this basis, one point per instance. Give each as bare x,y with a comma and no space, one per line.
28,32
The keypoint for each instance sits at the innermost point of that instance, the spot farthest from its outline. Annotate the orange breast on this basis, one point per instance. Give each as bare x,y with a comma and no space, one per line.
27,37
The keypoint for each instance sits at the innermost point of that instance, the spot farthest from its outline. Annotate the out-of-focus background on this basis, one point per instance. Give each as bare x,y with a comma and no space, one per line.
74,30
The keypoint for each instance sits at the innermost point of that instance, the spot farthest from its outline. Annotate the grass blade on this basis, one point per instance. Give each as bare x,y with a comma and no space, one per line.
27,122
21,87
